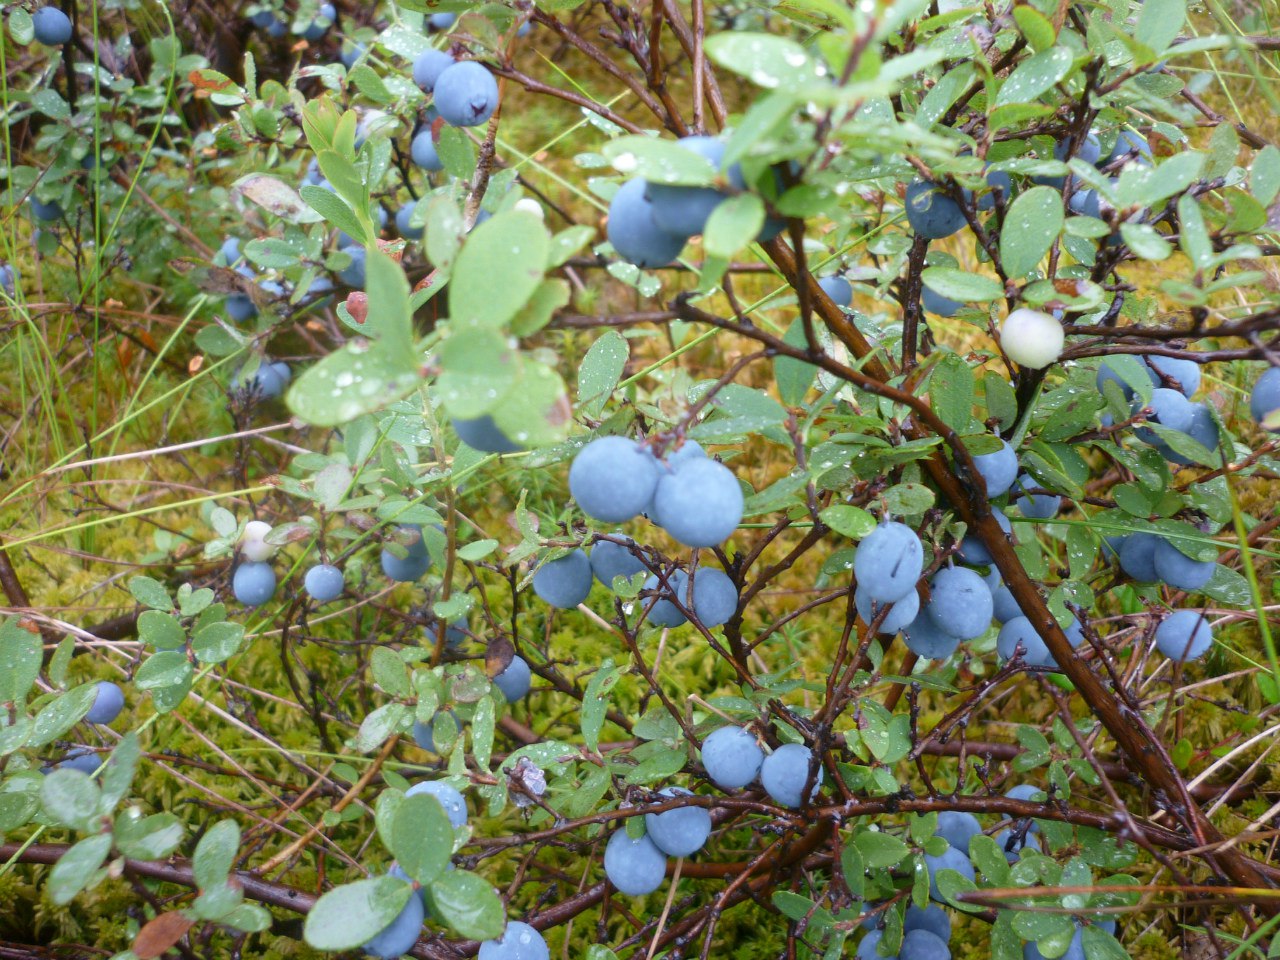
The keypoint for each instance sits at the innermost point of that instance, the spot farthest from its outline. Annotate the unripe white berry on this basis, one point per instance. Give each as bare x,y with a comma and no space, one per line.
253,545
1031,338
529,205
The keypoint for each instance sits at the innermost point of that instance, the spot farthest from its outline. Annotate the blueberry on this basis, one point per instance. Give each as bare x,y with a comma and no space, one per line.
936,303
1035,506
1106,373
1184,635
998,469
1130,146
82,759
52,26
466,94
482,433
924,639
952,859
900,614
107,703
351,54
613,479
1169,408
609,560
564,583
1203,430
634,867
973,550
353,273
424,734
441,21
415,563
455,633
634,234
996,180
1265,398
699,502
689,450
923,945
1138,557
262,19
1089,151
1013,842
959,602
888,562
403,225
1178,570
957,828
684,211
1186,373
253,583
1020,630
715,598
454,803
422,150
930,212
46,212
931,919
681,832
664,613
1087,203
784,772
515,680
401,934
9,279
731,757
1003,607
318,27
838,289
426,71
519,942
869,948
229,252
323,583
1075,950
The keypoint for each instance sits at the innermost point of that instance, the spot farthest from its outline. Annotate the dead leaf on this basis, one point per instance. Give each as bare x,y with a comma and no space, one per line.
160,934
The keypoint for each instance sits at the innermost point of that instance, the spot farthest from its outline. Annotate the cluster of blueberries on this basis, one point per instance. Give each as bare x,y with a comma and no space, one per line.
275,28
696,499
519,941
649,223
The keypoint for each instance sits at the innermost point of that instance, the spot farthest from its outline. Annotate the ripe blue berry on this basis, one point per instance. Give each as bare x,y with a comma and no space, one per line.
424,734
715,598
1020,630
518,942
466,94
959,603
1178,570
899,616
52,26
1138,556
454,634
454,803
1012,842
699,502
426,71
731,757
930,212
838,289
1186,373
609,560
1184,635
998,469
933,919
1169,408
404,224
1265,399
973,550
1132,147
684,211
564,583
888,562
353,273
400,935
422,150
323,583
634,867
107,703
921,944
784,772
414,564
1035,506
633,232
924,638
613,479
957,828
253,583
952,859
936,303
680,832
82,759
441,21
482,433
515,680
663,612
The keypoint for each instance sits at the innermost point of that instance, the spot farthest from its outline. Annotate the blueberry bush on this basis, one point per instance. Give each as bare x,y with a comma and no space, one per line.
636,480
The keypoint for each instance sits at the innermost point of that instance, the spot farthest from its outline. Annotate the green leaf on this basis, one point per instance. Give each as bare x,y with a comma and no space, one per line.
390,319
117,778
1264,175
379,725
600,372
20,659
535,411
76,868
336,210
49,102
1145,241
951,391
733,224
848,521
161,630
63,713
388,672
659,161
21,26
358,379
1031,226
478,368
456,152
595,702
511,247
908,499
147,838
766,60
348,916
1100,945
167,669
422,837
217,641
1144,186
150,593
1193,236
1035,26
70,797
468,904
794,377
216,854
1034,76
962,285
550,296
1160,22
880,849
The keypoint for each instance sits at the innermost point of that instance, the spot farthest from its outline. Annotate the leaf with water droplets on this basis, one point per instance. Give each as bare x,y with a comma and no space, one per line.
1031,226
498,269
358,379
659,161
1034,76
765,60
